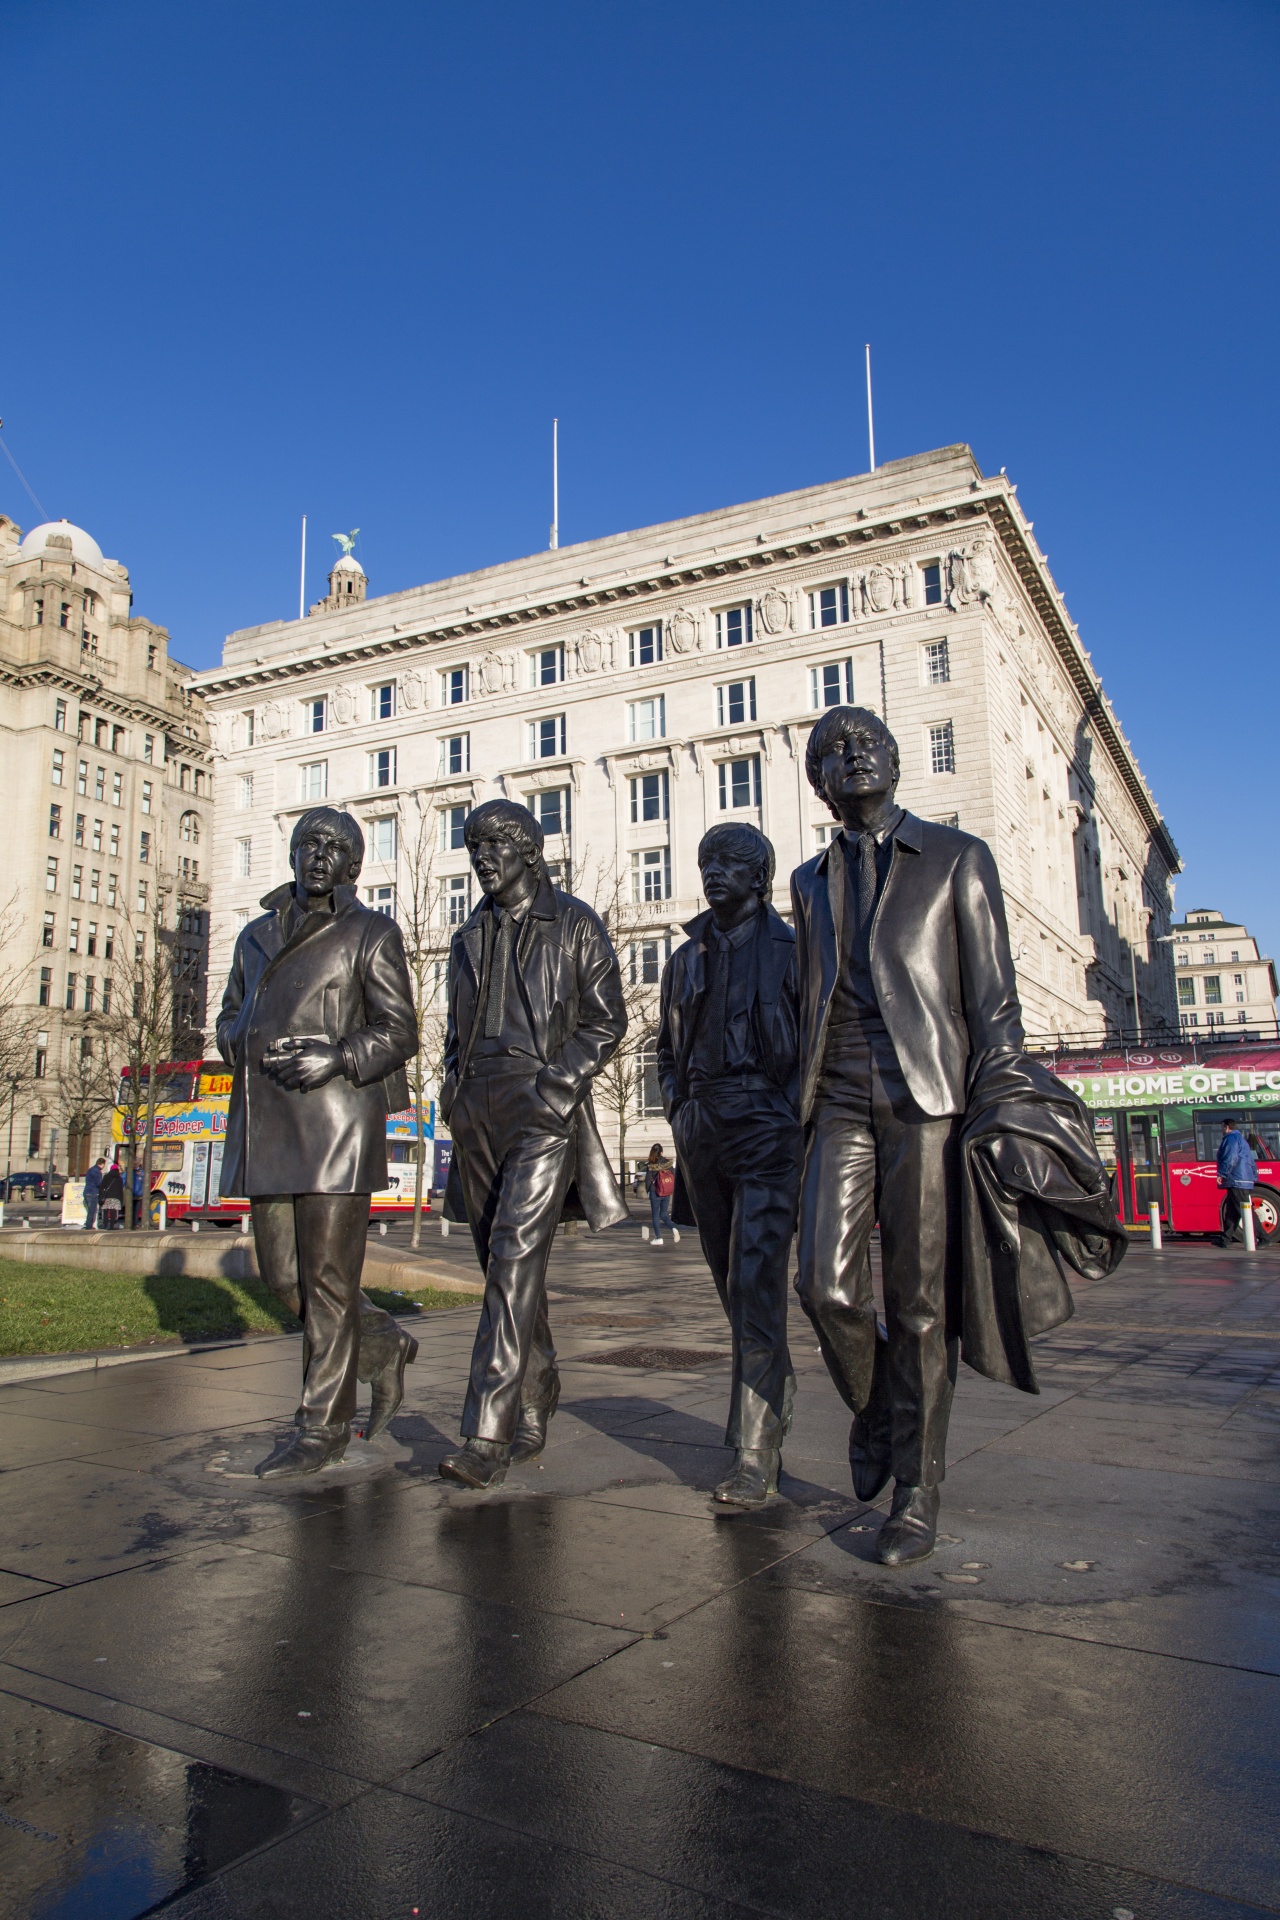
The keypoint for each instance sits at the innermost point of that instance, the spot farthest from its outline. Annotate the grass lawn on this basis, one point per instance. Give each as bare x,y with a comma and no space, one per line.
73,1309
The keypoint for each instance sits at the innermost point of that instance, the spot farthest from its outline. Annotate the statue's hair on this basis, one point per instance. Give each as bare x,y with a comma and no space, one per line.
343,826
743,841
511,821
837,724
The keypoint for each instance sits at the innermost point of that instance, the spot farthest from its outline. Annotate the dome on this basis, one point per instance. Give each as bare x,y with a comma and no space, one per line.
83,545
345,563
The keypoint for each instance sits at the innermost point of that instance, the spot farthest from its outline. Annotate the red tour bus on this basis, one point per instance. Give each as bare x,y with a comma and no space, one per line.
1157,1119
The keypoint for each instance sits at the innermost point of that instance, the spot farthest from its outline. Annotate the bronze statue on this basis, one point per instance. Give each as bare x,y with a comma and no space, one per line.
317,1022
922,1111
728,1061
535,1011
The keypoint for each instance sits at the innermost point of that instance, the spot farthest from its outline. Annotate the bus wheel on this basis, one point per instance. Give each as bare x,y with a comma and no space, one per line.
1266,1215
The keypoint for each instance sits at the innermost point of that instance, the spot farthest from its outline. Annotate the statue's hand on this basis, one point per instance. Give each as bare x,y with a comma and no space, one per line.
306,1067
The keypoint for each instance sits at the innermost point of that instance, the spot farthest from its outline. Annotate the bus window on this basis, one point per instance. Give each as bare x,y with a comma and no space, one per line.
1145,1170
1180,1134
1104,1139
1260,1127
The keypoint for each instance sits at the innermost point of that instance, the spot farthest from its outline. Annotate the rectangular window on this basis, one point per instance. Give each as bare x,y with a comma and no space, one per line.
244,792
1186,993
60,715
829,606
382,701
733,627
73,935
647,719
740,783
89,986
99,783
382,767
650,797
46,932
149,747
1237,978
1235,953
314,780
947,819
383,840
647,959
117,789
1184,959
824,835
547,737
931,574
91,940
1213,989
64,615
244,859
115,839
55,822
144,846
142,897
146,796
546,667
453,829
71,993
97,836
651,874
77,878
382,900
112,883
248,729
51,874
314,716
109,944
46,985
831,685
455,753
560,874
736,703
57,774
644,646
942,748
936,660
550,809
455,900
41,1063
35,1130
455,684
95,884
79,830
82,776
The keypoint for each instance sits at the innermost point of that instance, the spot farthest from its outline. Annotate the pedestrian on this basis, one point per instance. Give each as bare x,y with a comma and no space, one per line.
136,1184
92,1186
660,1184
111,1197
1237,1172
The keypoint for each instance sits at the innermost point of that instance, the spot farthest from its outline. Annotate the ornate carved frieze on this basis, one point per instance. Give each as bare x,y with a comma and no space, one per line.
276,720
684,633
643,760
413,691
773,610
343,706
593,652
496,673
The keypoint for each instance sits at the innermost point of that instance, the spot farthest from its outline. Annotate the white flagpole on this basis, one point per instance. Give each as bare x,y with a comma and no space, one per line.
302,574
871,425
555,483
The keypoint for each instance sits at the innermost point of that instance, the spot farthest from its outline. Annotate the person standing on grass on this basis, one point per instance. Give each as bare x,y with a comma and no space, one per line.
660,1185
92,1192
111,1197
1238,1173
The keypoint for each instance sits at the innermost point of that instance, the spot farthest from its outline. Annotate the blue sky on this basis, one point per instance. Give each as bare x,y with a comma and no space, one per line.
267,260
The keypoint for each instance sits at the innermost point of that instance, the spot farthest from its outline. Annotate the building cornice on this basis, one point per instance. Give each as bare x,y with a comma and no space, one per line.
89,688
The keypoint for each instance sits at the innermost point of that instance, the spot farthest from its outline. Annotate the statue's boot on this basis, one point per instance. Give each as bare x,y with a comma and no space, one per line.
871,1448
531,1434
386,1384
909,1533
305,1450
753,1479
479,1464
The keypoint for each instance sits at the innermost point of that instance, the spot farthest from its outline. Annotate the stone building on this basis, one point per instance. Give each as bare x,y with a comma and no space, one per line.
108,778
637,688
1222,980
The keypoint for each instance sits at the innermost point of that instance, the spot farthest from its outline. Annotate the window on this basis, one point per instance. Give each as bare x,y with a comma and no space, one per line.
1215,1019
248,729
936,659
41,1063
647,719
455,686
142,898
735,703
824,835
115,839
313,718
382,767
57,771
89,985
46,932
453,823
829,606
82,776
46,985
947,819
1186,993
60,716
244,793
831,685
314,780
99,783
733,627
112,883
91,940
1213,989
35,1129
1241,1017
651,874
647,959
39,611
1235,955
97,836
546,667
55,822
64,614
149,747
455,753
1237,978
649,1097
109,947
244,859
383,840
146,796
1206,956
240,919
51,874
382,701
382,900
644,646
95,884
1184,959
650,797
560,874
144,846
189,827
931,574
117,789
547,737
71,993
77,876
184,777
455,900
73,935
942,748
740,782
550,809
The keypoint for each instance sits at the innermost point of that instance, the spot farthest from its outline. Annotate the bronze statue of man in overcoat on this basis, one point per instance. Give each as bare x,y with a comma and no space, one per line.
317,1022
535,1010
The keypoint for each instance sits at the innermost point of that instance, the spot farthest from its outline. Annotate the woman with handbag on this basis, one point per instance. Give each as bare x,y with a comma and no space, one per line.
660,1184
111,1197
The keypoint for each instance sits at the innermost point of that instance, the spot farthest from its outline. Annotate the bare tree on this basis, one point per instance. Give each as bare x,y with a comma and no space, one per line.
619,1086
138,1027
84,1084
426,947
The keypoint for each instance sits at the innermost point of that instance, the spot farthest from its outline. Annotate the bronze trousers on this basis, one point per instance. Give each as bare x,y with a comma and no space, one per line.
310,1254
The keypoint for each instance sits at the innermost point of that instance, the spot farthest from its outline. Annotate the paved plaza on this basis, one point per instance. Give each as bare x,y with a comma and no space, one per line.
590,1694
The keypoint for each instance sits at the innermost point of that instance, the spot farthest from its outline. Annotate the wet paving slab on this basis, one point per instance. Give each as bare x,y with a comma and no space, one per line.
591,1692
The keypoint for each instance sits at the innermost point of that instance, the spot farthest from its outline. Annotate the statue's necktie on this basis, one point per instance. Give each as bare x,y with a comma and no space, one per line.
865,879
717,1002
496,1003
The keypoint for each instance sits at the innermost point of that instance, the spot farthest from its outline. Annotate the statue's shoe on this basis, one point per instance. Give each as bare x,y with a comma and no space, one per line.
386,1389
479,1464
871,1449
306,1450
753,1479
909,1533
531,1434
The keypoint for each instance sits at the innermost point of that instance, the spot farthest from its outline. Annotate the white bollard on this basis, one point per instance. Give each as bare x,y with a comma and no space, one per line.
195,1226
1250,1237
644,1233
1157,1238
444,1228
382,1228
162,1217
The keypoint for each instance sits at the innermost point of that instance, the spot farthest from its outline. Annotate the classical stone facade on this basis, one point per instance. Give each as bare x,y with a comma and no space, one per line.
637,688
1222,980
108,789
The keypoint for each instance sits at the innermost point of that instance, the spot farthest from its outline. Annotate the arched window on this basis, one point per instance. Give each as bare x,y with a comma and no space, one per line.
189,827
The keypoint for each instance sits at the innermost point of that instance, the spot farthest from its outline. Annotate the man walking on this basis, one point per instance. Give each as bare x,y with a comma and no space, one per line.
1238,1173
92,1190
535,1010
728,1064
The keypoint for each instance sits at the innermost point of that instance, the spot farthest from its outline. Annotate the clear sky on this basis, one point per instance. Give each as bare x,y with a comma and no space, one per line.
263,260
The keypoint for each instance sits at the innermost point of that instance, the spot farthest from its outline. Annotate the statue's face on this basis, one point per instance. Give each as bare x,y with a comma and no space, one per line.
858,768
729,880
321,862
498,864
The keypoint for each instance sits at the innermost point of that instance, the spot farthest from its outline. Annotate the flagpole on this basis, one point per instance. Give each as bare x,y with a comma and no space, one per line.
302,574
871,425
555,483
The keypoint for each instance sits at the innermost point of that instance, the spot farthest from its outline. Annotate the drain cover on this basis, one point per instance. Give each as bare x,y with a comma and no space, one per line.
660,1359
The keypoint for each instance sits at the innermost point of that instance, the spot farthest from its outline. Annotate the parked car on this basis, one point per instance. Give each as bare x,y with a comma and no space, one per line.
31,1186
